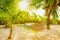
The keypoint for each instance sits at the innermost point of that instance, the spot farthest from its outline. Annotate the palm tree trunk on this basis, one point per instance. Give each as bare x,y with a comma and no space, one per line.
9,25
48,21
10,36
47,14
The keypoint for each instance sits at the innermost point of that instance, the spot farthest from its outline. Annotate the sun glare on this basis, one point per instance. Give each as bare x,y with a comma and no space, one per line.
59,13
40,12
22,5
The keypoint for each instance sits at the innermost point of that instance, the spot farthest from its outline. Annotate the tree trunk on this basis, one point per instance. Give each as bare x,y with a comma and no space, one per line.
47,14
10,36
48,21
9,25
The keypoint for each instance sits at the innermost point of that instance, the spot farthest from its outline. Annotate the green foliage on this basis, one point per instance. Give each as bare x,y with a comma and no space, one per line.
47,4
41,19
35,3
9,11
33,17
39,3
55,16
4,18
24,16
8,8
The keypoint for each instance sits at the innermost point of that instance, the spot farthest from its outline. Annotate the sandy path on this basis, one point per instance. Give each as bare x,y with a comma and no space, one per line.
19,33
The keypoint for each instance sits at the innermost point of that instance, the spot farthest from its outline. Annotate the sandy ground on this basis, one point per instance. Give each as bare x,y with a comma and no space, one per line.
19,33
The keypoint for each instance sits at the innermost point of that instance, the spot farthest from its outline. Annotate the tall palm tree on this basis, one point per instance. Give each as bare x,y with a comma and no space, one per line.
9,7
50,7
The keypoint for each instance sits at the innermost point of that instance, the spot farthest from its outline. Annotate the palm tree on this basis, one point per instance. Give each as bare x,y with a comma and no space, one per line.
9,7
50,7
